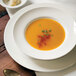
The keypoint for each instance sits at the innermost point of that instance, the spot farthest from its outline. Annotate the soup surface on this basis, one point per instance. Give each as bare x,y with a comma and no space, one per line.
45,34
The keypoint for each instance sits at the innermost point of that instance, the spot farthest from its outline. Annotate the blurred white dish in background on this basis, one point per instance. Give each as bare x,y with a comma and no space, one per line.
12,3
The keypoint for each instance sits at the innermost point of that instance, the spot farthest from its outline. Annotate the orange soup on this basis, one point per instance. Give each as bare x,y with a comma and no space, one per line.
45,34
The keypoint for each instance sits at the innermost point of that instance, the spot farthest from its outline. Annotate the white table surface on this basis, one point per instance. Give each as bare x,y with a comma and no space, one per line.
70,6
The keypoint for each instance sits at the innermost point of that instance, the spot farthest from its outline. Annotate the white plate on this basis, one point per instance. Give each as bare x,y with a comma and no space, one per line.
37,65
45,11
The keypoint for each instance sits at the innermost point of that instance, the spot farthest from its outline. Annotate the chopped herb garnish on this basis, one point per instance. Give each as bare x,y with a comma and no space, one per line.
47,34
39,24
43,30
49,30
44,37
46,31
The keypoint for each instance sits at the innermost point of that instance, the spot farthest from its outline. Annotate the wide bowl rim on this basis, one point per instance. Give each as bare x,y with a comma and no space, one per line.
50,58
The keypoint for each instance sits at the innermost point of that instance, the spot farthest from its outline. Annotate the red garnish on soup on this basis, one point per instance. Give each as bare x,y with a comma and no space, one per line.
43,39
